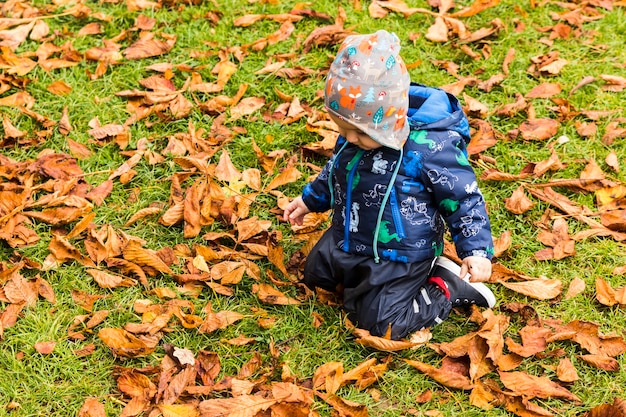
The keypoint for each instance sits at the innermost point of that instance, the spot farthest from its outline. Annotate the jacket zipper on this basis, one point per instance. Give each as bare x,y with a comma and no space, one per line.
395,213
348,207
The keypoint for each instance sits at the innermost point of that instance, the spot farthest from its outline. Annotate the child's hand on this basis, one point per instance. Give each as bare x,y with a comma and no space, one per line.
295,211
478,267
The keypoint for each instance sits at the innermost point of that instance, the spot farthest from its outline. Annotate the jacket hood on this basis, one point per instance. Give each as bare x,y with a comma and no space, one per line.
434,109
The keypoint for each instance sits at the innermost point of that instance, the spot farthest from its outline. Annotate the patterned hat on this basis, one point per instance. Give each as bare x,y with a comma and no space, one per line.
368,85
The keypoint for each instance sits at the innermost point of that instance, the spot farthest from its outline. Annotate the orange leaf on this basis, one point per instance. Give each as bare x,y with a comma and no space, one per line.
545,90
147,46
271,295
541,289
106,280
92,408
328,377
566,372
240,406
225,170
133,252
448,377
603,362
179,410
45,348
539,129
518,203
246,107
534,340
522,383
605,293
576,287
344,407
123,343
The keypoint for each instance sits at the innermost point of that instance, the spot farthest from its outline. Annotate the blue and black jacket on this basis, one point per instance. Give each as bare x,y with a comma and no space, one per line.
394,204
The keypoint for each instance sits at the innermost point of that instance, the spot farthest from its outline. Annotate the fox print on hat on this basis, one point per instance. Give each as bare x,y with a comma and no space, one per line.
367,86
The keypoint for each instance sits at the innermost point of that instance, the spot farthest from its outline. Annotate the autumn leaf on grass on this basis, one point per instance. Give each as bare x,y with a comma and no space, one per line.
343,406
271,295
107,280
328,377
62,250
534,340
577,286
538,129
446,375
219,320
240,406
587,335
179,410
603,362
535,386
558,239
246,107
225,170
92,408
609,296
148,46
45,348
518,203
125,344
617,409
363,337
19,290
251,227
133,252
286,176
541,289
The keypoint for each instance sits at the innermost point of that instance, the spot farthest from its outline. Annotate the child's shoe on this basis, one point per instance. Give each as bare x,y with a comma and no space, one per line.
461,291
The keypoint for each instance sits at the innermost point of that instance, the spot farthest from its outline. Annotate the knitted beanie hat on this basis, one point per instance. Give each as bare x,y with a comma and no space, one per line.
367,86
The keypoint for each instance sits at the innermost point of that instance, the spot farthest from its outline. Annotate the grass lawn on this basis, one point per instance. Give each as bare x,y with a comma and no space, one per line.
148,148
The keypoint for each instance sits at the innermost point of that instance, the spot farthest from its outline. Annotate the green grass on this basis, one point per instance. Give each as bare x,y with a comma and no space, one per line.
33,384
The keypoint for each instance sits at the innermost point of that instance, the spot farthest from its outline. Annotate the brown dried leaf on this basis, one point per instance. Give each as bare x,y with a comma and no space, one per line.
603,362
133,252
92,408
541,289
147,46
545,90
577,286
287,176
45,348
240,406
271,295
225,170
446,377
566,372
539,129
531,386
518,203
123,343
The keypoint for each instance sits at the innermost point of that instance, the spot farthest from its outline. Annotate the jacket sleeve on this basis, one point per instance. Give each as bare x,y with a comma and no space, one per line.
458,198
317,194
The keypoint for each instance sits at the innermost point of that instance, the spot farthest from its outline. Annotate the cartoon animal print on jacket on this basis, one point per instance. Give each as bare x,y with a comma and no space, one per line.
416,212
353,220
445,177
379,166
470,226
375,196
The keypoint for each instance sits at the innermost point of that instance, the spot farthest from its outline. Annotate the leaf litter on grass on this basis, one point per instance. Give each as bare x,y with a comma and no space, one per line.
209,188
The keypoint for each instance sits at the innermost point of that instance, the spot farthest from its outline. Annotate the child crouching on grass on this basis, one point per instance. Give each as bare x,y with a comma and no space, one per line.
399,173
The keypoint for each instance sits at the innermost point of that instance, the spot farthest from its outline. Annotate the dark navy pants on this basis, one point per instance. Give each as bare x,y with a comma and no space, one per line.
377,295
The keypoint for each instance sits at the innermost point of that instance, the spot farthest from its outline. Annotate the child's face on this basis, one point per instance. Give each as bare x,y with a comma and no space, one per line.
355,136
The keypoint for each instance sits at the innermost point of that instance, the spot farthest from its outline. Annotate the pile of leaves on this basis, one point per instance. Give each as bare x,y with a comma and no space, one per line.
207,188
